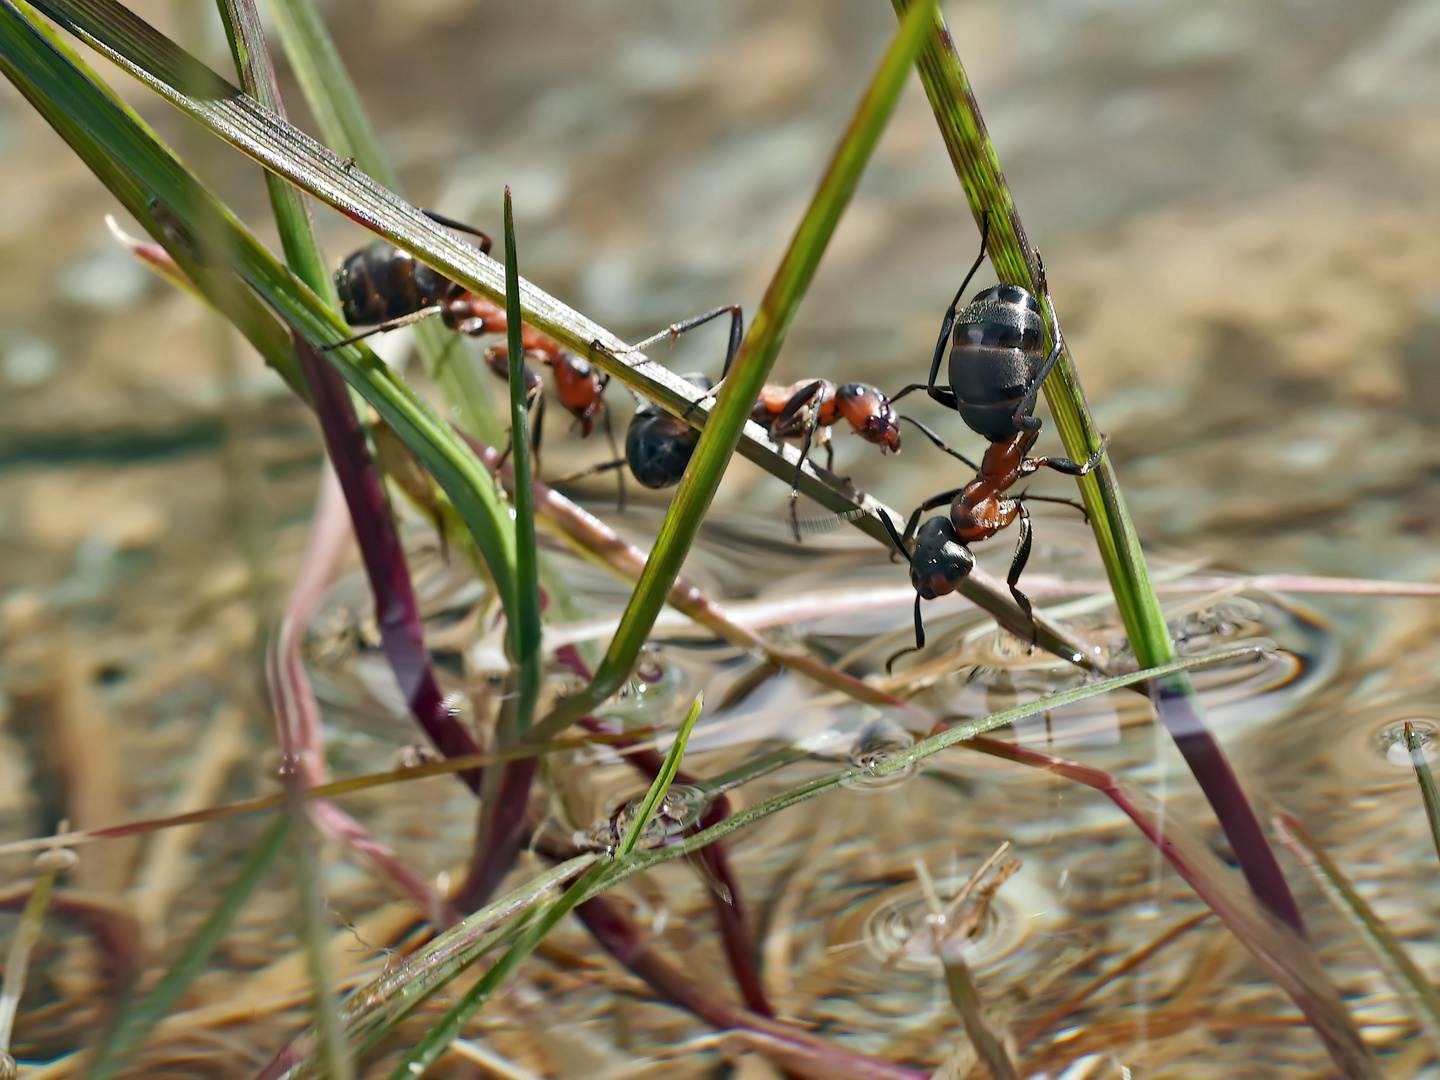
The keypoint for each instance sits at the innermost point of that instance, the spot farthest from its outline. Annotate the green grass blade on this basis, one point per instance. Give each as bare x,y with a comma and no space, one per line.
525,619
1426,780
751,368
133,1024
332,97
663,779
116,147
292,214
328,88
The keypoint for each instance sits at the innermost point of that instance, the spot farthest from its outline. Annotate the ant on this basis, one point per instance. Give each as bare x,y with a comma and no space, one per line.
385,288
997,367
658,445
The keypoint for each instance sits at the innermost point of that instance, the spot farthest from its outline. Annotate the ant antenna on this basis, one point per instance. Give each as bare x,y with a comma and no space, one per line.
392,324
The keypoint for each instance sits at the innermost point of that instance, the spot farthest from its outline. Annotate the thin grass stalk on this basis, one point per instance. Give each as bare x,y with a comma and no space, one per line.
160,64
48,866
313,931
134,1021
525,617
449,1027
1176,703
965,996
105,135
751,368
1426,780
1412,983
335,103
503,826
397,611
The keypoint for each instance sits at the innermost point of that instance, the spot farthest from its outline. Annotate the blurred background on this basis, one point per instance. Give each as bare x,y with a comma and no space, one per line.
1236,201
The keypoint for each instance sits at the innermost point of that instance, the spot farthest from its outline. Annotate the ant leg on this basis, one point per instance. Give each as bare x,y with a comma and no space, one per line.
799,467
829,454
919,640
460,226
899,541
593,470
1057,339
1025,495
943,394
390,324
939,441
948,324
929,504
1017,567
798,400
619,476
1070,468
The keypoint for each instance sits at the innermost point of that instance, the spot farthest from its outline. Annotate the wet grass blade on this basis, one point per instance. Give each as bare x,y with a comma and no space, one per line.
1426,780
133,1024
144,174
1406,975
748,374
1179,708
333,99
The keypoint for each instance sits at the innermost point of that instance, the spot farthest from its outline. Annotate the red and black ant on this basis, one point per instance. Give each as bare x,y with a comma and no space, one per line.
385,288
997,367
658,445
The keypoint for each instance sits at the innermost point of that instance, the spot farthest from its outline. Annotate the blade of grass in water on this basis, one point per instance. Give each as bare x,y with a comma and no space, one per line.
438,1038
751,368
134,1023
1176,703
160,64
333,99
1426,780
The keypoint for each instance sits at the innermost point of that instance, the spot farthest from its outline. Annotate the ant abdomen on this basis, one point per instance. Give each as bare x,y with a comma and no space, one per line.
996,351
380,282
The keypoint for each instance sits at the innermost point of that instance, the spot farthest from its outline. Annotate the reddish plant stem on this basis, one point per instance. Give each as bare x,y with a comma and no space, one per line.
396,609
297,713
735,935
1212,770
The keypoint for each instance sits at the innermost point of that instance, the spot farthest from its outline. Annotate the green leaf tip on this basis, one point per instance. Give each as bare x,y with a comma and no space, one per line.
663,779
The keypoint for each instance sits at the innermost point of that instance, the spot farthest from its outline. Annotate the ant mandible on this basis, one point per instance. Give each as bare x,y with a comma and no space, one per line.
658,445
385,288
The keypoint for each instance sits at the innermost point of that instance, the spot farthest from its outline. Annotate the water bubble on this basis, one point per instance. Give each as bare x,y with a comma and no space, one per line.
1389,741
653,691
880,741
677,815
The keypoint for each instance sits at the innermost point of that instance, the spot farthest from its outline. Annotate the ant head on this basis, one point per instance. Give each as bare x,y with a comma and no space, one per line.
940,560
871,414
